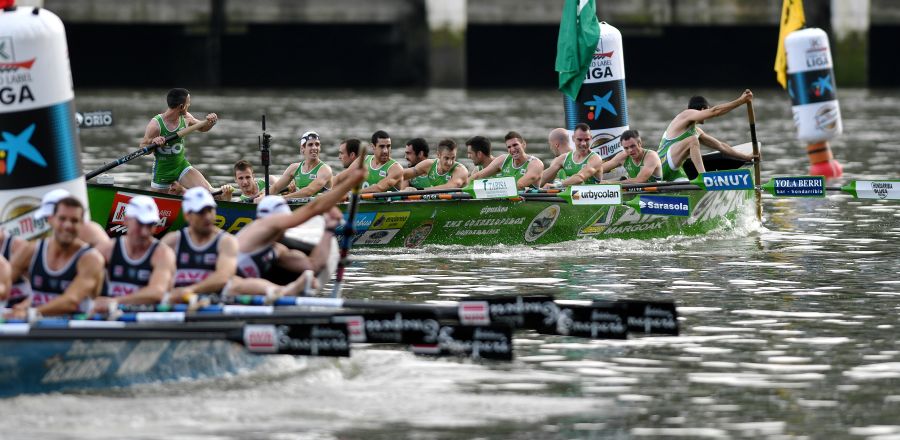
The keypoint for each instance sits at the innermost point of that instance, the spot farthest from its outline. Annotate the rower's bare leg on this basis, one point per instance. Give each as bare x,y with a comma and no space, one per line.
261,286
319,255
696,157
191,178
296,261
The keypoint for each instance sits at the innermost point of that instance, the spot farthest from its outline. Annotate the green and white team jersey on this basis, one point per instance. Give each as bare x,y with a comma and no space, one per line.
169,163
435,178
377,174
261,184
509,169
633,169
420,182
570,167
671,172
302,180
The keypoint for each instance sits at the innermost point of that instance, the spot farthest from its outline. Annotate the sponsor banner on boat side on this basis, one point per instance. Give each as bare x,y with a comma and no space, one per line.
596,321
495,188
311,339
537,312
481,342
717,204
232,220
878,189
376,236
596,194
651,317
727,180
389,220
665,205
598,222
482,226
169,209
361,224
802,186
410,327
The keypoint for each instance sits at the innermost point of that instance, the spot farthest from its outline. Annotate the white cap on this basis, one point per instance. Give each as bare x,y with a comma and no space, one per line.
196,199
48,202
143,209
272,205
307,136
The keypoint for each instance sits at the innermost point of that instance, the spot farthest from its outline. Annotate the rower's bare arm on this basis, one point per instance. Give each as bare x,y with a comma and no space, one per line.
21,259
550,173
150,133
285,179
323,180
5,280
343,174
491,169
321,204
651,164
721,109
532,174
211,119
93,233
616,161
87,283
392,180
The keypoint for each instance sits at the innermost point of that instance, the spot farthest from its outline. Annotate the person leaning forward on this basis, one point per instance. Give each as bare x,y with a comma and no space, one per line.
526,169
641,165
577,166
139,268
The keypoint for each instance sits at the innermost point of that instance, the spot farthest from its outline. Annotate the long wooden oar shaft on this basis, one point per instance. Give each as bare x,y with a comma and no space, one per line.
143,151
751,115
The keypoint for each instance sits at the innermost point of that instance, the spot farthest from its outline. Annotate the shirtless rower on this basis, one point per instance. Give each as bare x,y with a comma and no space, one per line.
310,176
641,165
139,268
169,164
63,270
478,150
440,173
683,137
577,166
526,169
205,255
259,249
416,151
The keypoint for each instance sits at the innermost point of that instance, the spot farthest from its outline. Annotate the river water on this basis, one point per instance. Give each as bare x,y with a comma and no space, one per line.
788,326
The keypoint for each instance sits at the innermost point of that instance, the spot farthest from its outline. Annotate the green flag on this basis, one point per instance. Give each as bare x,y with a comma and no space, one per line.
579,33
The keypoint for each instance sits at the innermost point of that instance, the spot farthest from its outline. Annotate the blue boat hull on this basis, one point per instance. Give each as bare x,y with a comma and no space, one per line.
34,367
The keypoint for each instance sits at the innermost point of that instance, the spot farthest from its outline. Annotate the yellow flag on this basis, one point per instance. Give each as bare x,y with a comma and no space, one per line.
792,18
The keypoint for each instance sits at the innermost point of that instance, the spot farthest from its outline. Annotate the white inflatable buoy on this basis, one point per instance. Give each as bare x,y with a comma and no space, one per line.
602,102
39,147
811,85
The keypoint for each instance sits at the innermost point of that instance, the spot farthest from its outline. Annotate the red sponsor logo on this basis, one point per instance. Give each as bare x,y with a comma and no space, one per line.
168,212
190,276
260,338
116,289
601,55
16,65
474,313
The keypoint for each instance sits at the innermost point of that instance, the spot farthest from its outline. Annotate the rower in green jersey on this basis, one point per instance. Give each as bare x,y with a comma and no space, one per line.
524,168
478,150
683,137
416,152
443,172
310,176
641,165
169,163
579,166
385,174
252,188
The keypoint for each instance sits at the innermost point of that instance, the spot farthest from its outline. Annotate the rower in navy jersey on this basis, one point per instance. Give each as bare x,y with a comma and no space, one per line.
4,281
205,255
63,270
92,233
259,249
18,289
139,268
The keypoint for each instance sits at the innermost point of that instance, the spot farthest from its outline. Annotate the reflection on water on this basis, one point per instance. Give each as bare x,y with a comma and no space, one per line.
788,327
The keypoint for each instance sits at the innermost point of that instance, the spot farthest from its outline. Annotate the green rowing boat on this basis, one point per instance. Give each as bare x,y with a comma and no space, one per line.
540,220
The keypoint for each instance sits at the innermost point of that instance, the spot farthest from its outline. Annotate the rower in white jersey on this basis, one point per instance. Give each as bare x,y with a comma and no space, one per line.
310,176
63,270
682,138
526,169
139,268
577,166
205,256
259,250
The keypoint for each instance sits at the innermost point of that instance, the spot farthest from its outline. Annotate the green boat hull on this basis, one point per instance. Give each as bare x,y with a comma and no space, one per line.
463,222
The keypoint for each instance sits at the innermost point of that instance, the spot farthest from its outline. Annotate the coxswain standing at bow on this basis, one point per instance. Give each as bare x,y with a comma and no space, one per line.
682,137
440,173
577,166
169,164
205,256
641,165
139,268
311,176
63,270
526,169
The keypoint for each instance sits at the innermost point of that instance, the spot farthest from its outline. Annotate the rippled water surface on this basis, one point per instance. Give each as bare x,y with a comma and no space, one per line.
788,326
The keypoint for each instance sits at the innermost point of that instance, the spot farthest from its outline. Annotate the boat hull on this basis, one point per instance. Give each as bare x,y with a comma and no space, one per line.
31,367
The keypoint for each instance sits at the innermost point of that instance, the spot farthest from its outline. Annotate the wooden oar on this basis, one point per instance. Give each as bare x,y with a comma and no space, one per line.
349,233
143,151
756,159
